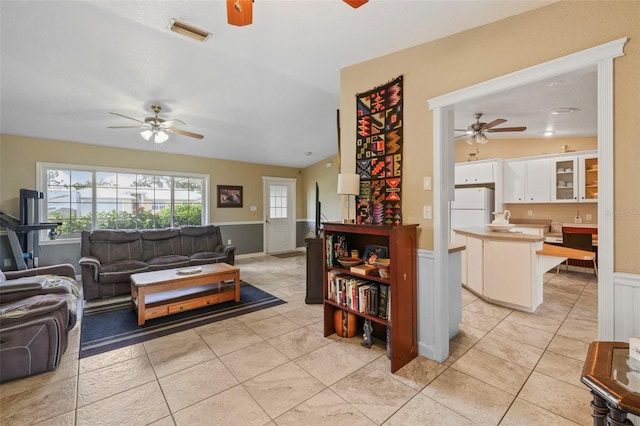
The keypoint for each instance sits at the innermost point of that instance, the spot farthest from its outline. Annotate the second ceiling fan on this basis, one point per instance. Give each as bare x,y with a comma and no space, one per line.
476,131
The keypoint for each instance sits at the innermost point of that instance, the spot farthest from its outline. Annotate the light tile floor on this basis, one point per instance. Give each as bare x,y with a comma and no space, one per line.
274,367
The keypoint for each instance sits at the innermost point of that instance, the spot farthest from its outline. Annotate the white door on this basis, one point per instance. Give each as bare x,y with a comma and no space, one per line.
279,214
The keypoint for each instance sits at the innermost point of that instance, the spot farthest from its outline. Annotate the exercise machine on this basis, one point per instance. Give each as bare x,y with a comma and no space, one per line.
24,242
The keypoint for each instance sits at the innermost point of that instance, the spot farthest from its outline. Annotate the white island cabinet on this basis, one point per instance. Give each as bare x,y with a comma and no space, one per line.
502,267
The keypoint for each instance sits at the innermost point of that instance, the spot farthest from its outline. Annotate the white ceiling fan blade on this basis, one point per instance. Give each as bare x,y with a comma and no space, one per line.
126,127
130,118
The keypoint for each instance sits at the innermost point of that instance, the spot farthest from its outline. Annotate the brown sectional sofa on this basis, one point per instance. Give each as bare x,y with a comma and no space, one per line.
109,257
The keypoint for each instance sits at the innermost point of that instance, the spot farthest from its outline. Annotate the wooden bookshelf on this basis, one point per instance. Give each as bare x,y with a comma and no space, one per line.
401,244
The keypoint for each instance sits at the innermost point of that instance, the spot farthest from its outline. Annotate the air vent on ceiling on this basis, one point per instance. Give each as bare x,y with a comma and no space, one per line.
188,30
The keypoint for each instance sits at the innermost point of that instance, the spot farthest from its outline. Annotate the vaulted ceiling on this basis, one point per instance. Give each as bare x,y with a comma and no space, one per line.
265,93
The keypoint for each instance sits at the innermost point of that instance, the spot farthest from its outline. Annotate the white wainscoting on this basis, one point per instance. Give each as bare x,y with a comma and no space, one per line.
626,302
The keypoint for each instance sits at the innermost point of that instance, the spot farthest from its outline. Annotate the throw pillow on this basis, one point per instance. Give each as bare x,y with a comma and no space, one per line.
2,276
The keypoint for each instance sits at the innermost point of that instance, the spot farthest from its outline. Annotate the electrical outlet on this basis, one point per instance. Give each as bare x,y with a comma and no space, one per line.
589,217
426,210
7,263
529,212
229,242
254,208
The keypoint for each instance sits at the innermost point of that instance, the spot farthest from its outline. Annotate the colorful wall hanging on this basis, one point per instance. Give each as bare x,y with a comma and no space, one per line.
379,154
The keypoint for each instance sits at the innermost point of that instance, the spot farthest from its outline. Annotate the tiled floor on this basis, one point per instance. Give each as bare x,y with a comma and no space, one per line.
274,367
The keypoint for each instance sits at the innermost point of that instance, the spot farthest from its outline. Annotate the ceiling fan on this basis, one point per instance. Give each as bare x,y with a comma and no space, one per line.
156,128
476,131
240,12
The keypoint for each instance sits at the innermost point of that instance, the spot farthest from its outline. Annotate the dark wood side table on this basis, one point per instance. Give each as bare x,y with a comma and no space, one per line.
615,386
315,259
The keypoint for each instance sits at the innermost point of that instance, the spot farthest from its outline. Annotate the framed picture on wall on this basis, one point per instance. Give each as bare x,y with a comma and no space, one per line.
229,196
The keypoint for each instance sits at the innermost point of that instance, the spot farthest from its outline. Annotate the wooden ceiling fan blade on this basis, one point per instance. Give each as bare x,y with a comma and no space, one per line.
185,133
507,129
240,12
355,3
125,116
494,123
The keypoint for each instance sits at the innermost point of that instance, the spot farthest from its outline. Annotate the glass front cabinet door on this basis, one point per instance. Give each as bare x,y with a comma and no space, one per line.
588,165
564,180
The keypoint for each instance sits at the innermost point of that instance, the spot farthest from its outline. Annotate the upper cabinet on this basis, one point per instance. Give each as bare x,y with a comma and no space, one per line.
575,179
527,181
561,178
588,169
473,173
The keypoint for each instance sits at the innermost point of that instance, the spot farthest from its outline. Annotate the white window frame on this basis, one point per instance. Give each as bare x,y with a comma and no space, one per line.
42,180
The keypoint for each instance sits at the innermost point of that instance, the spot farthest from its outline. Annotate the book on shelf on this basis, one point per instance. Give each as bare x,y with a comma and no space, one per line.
337,247
383,304
358,294
363,269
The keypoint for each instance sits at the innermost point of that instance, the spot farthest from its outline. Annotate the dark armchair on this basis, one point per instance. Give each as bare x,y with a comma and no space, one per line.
38,307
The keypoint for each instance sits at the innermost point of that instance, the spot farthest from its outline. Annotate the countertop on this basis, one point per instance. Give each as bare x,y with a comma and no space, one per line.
486,233
455,247
530,225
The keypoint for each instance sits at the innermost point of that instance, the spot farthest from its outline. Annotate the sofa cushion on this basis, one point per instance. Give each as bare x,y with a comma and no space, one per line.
115,246
116,272
207,257
161,242
198,239
165,262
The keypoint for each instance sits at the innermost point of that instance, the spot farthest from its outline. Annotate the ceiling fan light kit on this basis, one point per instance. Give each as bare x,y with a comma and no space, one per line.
189,30
240,12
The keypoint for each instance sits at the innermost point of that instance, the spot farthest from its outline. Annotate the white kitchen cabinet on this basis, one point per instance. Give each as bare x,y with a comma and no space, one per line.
527,181
575,179
515,174
475,264
502,267
510,273
588,178
475,173
564,184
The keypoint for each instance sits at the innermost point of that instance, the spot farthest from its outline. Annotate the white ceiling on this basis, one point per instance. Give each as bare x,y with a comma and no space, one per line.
264,93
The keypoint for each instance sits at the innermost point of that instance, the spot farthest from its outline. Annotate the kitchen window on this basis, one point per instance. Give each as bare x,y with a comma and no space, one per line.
83,198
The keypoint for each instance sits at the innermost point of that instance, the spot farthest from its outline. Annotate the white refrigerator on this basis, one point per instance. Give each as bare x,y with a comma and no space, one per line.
472,207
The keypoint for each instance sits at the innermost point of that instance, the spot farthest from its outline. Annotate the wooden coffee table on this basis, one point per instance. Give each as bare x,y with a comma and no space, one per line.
159,293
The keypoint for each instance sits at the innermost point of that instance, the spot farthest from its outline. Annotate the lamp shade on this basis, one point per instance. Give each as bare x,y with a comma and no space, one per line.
348,184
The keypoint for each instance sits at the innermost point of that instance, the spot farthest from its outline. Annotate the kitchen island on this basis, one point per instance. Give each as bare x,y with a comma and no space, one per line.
502,267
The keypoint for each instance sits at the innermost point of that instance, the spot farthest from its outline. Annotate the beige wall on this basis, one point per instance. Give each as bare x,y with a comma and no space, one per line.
455,62
327,178
522,147
18,170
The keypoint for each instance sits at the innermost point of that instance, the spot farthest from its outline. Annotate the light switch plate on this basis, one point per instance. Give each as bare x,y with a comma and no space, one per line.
254,208
427,212
427,183
589,217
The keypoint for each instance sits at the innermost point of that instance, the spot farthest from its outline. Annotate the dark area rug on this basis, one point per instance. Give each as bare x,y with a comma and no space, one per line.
111,326
289,254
